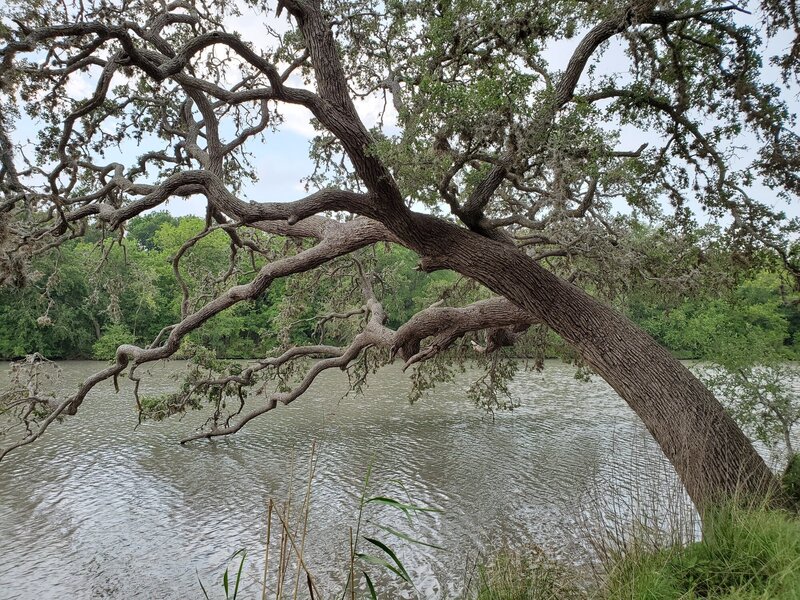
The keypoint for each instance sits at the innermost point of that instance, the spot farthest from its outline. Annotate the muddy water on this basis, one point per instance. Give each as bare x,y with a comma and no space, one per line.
102,509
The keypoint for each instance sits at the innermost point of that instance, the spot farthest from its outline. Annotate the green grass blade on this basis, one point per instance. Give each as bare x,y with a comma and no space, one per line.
379,544
202,587
371,587
239,572
406,508
408,538
380,562
402,486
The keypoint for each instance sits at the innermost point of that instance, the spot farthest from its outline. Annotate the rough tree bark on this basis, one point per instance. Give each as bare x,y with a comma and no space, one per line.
711,455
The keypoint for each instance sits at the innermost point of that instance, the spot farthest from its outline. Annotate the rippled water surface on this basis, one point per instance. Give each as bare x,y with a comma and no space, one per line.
97,509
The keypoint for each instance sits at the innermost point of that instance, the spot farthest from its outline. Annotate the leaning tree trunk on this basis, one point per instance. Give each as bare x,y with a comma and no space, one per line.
710,453
713,458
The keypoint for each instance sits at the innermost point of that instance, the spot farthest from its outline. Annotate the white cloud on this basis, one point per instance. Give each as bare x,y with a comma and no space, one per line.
372,107
252,25
297,119
79,86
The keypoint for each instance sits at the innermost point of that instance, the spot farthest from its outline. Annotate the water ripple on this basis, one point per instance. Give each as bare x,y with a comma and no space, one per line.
98,510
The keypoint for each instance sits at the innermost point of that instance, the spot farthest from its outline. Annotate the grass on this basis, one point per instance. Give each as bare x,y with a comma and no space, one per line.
648,543
288,576
533,576
791,479
745,554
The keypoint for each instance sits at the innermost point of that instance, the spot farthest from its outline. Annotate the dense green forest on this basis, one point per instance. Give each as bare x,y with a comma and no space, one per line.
95,293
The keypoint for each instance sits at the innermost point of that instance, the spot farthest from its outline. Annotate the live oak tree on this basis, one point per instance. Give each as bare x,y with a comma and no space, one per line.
495,156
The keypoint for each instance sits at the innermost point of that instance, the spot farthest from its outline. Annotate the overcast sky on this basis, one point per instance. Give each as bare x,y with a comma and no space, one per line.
282,161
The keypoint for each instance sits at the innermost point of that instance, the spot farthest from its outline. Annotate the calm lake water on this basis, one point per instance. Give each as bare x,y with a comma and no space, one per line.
98,509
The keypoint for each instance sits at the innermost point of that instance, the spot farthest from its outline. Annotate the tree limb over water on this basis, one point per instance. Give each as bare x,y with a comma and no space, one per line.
526,158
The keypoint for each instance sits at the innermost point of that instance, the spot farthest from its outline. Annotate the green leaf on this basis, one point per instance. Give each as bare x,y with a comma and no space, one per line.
202,587
374,560
371,587
408,538
239,573
225,583
379,544
406,508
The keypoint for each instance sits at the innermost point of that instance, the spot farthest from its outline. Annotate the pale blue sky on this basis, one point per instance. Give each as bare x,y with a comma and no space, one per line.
281,159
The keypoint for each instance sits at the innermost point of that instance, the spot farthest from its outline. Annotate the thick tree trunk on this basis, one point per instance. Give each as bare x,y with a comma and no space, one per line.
711,455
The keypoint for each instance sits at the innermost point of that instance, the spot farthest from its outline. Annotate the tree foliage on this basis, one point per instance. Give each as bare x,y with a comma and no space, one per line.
523,163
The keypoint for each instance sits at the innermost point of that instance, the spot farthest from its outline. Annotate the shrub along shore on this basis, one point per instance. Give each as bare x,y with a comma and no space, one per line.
92,295
744,554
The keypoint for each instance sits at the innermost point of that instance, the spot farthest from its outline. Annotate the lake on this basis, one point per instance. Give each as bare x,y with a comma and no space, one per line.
102,509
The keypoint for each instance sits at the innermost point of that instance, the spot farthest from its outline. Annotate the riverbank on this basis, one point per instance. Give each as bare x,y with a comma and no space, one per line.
744,554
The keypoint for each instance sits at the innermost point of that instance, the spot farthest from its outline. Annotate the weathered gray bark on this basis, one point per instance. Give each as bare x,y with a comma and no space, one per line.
709,452
711,455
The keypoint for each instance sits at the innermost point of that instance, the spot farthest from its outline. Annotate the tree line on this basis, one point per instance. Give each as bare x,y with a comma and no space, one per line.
94,294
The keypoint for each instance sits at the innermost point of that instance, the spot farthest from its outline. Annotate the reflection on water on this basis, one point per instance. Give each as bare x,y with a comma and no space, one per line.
98,510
